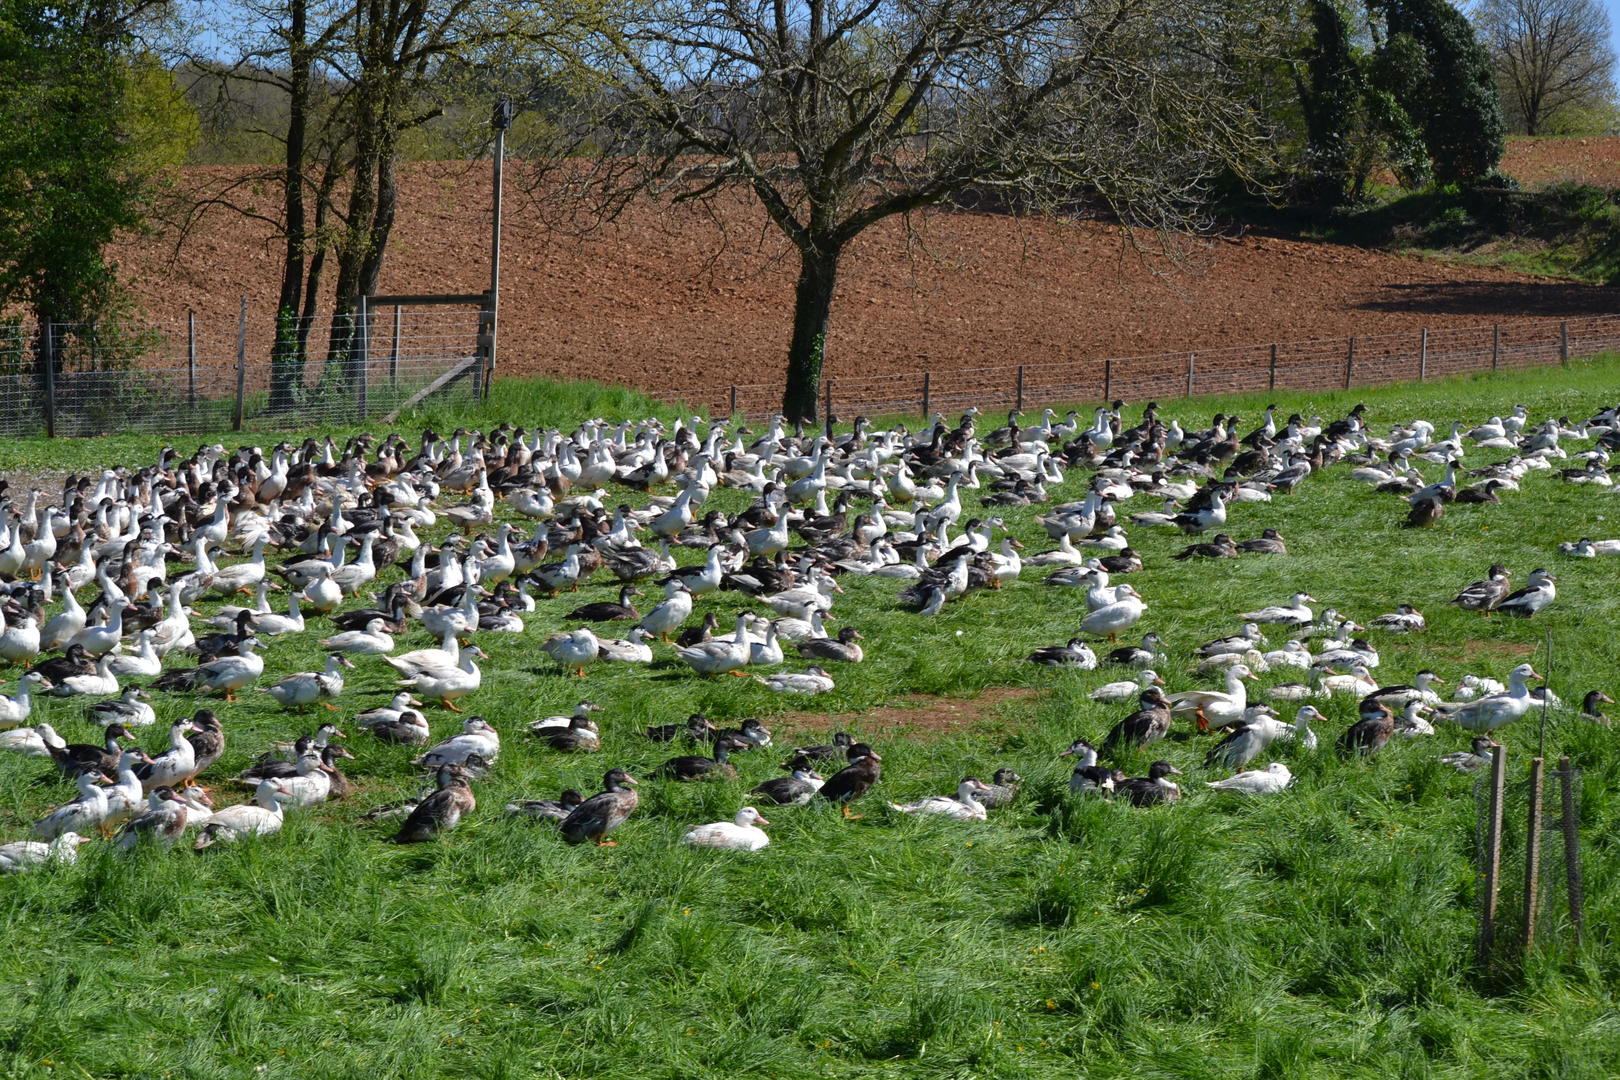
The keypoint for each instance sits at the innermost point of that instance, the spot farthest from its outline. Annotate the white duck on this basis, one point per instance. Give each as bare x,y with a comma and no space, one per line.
36,741
102,681
671,612
22,855
16,709
387,714
231,673
1114,619
448,654
633,648
445,684
1127,689
1293,613
144,661
1358,682
813,680
477,737
1497,710
323,595
82,815
1267,781
963,806
262,817
716,657
372,641
1215,708
309,687
19,641
742,833
573,648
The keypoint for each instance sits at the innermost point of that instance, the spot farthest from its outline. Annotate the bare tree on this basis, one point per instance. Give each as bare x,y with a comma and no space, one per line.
1551,56
837,114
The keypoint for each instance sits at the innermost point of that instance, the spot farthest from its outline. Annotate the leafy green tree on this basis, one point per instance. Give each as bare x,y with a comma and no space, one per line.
78,140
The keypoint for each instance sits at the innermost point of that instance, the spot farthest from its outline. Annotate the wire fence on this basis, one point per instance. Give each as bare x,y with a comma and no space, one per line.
1318,364
200,376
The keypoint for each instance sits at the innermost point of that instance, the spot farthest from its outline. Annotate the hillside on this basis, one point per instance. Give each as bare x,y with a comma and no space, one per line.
668,297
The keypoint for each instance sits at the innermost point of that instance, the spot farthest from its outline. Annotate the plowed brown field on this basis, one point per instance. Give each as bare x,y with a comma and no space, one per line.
676,297
1536,161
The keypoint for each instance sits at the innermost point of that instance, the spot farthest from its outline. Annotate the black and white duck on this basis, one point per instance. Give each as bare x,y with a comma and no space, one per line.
1148,724
1484,594
1153,789
854,780
552,810
795,790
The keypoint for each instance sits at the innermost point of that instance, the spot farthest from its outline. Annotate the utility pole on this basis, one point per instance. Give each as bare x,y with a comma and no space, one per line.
500,120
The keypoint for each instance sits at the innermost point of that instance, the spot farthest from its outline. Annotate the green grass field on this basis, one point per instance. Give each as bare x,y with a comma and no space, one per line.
1327,932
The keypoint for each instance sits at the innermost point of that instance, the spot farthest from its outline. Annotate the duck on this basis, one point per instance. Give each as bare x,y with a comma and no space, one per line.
101,681
372,641
797,789
446,684
163,820
697,729
20,856
963,806
36,741
1477,756
1245,742
1411,722
262,817
1125,689
271,624
842,743
1294,613
689,767
477,736
1155,788
1540,591
632,649
129,709
1148,724
1144,655
717,657
573,649
448,654
1115,618
387,713
441,811
1368,735
842,648
1269,542
555,810
323,594
1592,706
1001,790
75,758
1076,654
1398,695
176,765
17,708
741,833
1267,781
228,674
668,615
579,736
1483,595
605,611
603,812
1233,643
812,680
1493,711
551,725
1216,708
309,687
1405,619
1358,682
145,661
407,728
82,815
19,639
854,780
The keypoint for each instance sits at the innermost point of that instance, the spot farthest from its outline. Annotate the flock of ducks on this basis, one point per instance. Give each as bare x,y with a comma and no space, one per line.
147,543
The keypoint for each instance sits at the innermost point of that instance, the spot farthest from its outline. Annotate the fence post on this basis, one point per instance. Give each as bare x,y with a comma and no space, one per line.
1572,850
1493,856
928,379
393,353
1108,379
191,357
1532,853
1563,343
1020,404
733,400
826,406
1271,381
241,364
1496,344
1192,361
50,380
363,357
1423,356
1350,363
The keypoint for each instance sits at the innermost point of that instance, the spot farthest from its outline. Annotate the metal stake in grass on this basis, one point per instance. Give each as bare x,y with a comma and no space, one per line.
1493,857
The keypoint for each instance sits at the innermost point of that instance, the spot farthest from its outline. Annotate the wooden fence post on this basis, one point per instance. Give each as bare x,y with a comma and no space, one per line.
191,357
1532,853
927,392
1271,381
733,399
826,406
1496,345
1493,857
1563,343
1108,379
1423,356
1020,402
1350,363
241,364
363,358
50,380
1192,363
1572,850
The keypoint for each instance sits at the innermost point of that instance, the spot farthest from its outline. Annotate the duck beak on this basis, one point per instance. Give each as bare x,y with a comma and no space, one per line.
1534,674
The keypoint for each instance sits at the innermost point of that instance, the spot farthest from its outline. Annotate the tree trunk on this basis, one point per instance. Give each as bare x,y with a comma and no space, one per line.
812,302
287,357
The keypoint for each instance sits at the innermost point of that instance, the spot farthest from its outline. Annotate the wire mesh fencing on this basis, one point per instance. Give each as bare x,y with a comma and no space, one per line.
1315,364
199,376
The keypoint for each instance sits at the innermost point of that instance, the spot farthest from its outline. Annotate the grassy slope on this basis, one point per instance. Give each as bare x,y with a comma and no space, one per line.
1323,933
